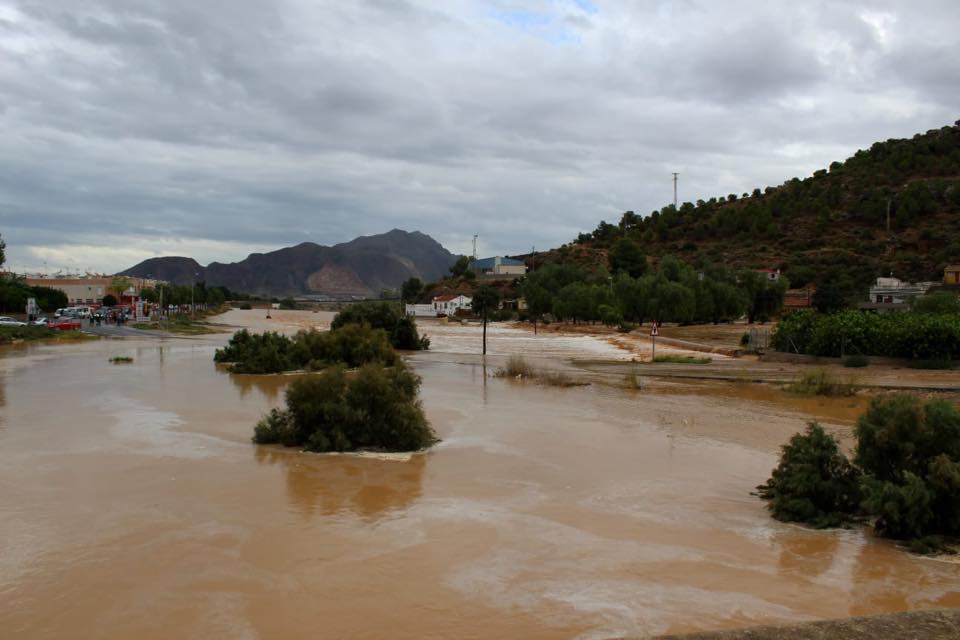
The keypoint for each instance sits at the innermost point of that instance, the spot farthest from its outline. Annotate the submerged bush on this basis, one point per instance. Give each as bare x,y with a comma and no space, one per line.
374,408
351,345
855,361
814,482
820,382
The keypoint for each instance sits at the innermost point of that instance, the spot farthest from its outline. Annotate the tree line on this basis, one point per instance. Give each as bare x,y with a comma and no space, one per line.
633,291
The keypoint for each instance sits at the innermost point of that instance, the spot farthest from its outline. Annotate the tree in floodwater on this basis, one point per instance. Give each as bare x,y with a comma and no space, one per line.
814,482
905,473
374,408
485,299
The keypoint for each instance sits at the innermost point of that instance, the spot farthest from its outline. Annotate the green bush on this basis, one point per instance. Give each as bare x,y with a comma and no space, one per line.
908,462
814,482
937,303
931,363
401,329
896,335
375,408
855,361
10,334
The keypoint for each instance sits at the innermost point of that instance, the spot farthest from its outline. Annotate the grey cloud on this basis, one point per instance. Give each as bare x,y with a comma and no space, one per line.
260,122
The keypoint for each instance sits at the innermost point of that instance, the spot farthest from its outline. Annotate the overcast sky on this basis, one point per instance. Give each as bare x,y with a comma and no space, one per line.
215,128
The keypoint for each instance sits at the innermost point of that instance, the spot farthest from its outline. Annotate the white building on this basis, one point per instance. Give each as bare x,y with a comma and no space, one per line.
895,291
421,310
450,304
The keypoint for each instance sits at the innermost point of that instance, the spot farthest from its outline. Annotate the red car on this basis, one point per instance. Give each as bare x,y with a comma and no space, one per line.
64,324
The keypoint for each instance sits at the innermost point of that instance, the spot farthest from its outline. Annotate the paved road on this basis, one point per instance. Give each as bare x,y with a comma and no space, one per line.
113,331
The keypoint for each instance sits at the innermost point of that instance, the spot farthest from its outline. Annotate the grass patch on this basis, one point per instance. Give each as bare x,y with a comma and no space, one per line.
121,359
855,361
821,382
9,335
683,360
632,381
932,363
179,324
518,368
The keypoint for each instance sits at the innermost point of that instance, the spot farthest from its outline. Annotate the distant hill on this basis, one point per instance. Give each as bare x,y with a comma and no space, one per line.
362,267
834,221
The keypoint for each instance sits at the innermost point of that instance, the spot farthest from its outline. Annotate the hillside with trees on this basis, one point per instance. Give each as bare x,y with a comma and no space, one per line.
892,208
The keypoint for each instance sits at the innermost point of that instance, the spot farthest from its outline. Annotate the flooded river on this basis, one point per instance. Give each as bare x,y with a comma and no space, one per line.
132,505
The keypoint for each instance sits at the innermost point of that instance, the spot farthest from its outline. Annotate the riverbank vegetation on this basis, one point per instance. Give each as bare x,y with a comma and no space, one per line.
904,475
401,329
11,335
673,291
182,324
374,408
675,359
896,335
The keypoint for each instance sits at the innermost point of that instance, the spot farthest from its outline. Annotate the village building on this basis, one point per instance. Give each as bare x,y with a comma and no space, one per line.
772,275
799,298
90,290
951,274
449,304
893,294
498,268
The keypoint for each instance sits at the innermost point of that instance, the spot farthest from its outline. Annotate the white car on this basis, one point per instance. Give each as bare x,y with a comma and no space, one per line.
7,321
40,322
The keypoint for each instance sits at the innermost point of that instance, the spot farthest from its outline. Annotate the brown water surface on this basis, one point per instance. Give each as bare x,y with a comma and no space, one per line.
132,504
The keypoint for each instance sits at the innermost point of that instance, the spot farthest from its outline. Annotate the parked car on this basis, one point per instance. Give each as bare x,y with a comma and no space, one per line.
40,322
7,321
65,324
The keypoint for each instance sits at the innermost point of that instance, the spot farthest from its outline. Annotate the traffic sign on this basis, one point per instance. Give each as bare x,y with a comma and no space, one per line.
654,332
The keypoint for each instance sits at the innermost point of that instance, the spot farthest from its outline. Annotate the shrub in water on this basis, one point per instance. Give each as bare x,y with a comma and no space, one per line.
910,453
908,462
352,345
814,482
373,408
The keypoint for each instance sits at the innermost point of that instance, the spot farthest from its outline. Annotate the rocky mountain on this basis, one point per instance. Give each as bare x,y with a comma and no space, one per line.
362,267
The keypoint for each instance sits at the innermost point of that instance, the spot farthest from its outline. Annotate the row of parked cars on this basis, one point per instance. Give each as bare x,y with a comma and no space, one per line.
63,323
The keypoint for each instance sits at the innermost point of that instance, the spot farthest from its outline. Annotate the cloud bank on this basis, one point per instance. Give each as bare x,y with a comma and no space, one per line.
134,128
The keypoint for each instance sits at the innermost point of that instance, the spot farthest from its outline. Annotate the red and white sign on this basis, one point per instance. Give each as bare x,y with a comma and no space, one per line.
654,332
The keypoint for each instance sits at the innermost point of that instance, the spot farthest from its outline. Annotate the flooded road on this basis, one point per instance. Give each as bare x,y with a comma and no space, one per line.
132,504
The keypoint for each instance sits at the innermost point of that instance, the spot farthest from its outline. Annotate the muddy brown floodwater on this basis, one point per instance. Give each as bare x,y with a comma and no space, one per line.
132,505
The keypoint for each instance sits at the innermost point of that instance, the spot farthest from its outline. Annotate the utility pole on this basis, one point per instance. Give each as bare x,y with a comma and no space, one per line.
533,267
474,247
675,174
888,214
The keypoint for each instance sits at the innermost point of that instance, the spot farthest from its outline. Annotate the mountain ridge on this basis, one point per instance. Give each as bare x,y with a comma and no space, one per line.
360,267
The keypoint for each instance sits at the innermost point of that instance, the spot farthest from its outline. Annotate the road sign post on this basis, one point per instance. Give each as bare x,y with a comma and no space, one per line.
653,342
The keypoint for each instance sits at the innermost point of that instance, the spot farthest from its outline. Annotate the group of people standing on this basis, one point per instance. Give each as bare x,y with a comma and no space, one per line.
109,316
